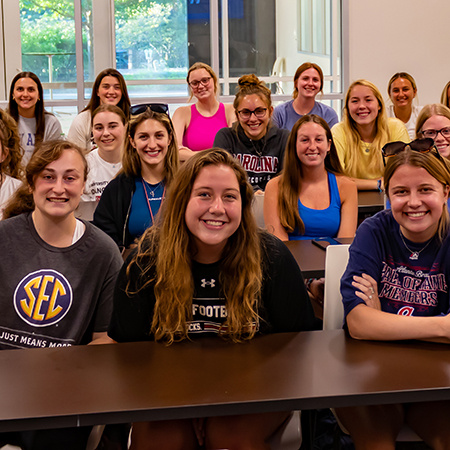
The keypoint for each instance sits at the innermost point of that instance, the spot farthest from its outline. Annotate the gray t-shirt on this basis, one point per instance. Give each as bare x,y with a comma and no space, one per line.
27,132
284,115
54,297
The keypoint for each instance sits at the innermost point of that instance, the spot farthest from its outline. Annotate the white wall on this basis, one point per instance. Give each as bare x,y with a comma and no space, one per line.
389,36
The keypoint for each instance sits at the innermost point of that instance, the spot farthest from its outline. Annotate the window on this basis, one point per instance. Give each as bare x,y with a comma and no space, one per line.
153,43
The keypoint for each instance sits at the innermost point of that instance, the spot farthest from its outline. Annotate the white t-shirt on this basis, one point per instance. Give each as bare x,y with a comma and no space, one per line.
411,124
80,131
27,133
100,174
7,189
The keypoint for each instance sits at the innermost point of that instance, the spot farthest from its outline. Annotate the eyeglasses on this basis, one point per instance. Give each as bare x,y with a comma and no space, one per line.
195,84
162,108
258,112
445,132
418,145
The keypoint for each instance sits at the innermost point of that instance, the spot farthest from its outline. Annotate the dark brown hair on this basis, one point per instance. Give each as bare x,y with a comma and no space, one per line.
94,102
39,111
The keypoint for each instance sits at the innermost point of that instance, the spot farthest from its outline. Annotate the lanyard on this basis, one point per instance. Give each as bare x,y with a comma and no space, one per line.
148,200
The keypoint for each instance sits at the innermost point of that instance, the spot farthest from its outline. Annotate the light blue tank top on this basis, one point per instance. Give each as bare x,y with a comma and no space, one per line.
321,222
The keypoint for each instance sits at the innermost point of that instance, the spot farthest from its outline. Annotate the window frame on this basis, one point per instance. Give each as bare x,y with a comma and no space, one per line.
104,53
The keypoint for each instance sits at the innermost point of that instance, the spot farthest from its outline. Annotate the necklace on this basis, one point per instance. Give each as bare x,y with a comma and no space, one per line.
150,190
152,193
414,255
255,149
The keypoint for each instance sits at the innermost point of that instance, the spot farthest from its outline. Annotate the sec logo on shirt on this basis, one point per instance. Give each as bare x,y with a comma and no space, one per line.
43,298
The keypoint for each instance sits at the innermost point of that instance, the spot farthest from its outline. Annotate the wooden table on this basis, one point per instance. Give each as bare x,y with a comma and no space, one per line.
310,257
88,385
369,203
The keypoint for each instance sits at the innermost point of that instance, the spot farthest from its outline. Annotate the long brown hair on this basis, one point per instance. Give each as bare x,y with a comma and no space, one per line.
49,151
438,168
165,254
12,152
131,162
39,110
290,181
124,103
353,159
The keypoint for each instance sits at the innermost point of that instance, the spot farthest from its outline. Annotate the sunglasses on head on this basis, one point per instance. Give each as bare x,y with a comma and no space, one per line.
418,145
162,108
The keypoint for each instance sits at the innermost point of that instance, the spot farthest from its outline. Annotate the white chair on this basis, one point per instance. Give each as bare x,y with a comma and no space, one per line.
335,264
333,310
289,435
258,210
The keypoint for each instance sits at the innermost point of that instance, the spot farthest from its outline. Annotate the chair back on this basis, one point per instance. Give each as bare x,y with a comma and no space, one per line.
335,264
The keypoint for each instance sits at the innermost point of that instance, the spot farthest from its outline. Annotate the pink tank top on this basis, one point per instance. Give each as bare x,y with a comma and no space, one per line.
200,133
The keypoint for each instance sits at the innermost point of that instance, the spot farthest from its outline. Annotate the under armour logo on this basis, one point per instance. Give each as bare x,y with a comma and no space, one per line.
211,283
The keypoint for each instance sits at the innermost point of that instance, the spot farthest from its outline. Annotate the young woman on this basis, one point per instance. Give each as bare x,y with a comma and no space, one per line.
434,122
402,90
196,125
253,139
396,286
445,97
26,107
253,285
10,159
57,273
308,82
363,132
131,201
311,198
109,89
109,127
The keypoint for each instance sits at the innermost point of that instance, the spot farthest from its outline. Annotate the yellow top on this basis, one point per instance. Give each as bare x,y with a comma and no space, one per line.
397,132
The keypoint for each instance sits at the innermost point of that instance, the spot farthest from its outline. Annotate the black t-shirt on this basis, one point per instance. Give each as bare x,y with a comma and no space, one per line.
284,305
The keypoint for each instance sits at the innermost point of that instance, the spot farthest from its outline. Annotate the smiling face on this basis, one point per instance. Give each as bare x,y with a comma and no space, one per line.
363,106
308,83
438,123
255,128
402,93
417,200
26,95
203,84
108,131
58,188
312,145
151,141
213,212
109,91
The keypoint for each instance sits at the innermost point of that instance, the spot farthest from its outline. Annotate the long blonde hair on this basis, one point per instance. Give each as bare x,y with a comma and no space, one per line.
444,96
165,253
289,185
353,163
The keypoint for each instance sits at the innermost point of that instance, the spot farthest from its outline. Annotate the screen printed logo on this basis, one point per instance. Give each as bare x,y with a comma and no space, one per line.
43,298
